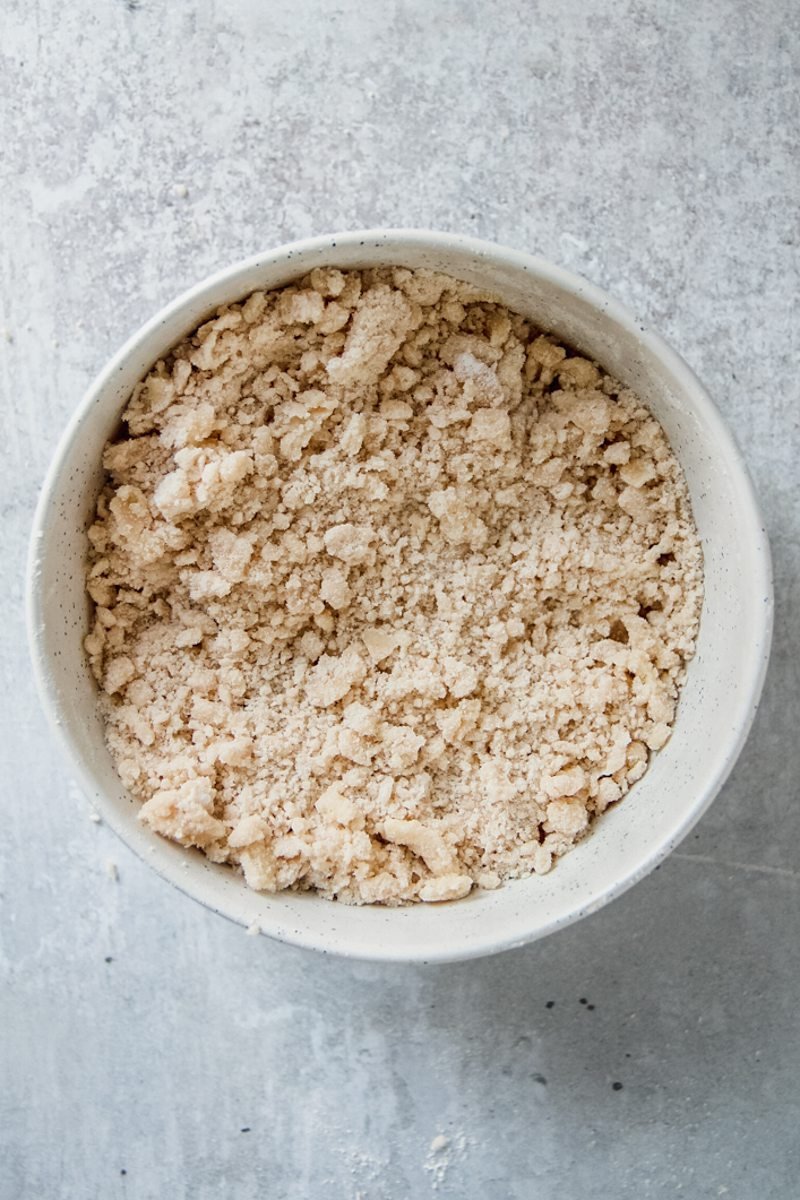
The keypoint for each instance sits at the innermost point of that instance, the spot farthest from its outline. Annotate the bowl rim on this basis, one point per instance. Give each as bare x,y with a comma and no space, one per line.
756,653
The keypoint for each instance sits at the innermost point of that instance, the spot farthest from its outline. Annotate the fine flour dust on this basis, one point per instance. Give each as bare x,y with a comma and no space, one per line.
393,594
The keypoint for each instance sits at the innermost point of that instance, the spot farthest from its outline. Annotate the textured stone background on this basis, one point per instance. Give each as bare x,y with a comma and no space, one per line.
150,1050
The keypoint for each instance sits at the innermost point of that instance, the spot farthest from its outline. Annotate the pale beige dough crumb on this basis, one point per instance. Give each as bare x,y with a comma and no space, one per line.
393,594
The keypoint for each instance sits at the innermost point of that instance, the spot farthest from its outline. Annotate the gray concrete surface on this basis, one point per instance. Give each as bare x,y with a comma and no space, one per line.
147,1048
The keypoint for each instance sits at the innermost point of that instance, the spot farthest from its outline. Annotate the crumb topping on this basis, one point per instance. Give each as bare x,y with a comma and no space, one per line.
393,594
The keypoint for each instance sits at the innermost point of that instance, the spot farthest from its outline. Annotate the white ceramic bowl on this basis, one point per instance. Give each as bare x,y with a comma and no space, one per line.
717,704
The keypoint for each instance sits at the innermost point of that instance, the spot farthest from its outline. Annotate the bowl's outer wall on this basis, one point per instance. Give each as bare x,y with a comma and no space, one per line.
716,706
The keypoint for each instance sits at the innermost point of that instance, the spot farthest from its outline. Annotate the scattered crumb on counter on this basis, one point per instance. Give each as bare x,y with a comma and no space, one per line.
443,1152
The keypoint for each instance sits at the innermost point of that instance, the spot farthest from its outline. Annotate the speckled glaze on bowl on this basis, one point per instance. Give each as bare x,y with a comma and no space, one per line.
717,704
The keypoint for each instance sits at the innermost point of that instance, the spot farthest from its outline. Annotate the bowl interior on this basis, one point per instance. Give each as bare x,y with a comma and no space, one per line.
716,705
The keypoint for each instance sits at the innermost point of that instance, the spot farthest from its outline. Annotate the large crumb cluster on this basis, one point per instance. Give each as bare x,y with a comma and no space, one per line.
393,593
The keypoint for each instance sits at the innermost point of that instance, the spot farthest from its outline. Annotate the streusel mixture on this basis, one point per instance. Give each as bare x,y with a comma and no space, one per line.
393,593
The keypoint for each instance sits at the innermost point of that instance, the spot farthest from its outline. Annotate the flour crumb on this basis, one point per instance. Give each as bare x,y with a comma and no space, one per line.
393,593
443,1153
95,818
112,871
253,929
